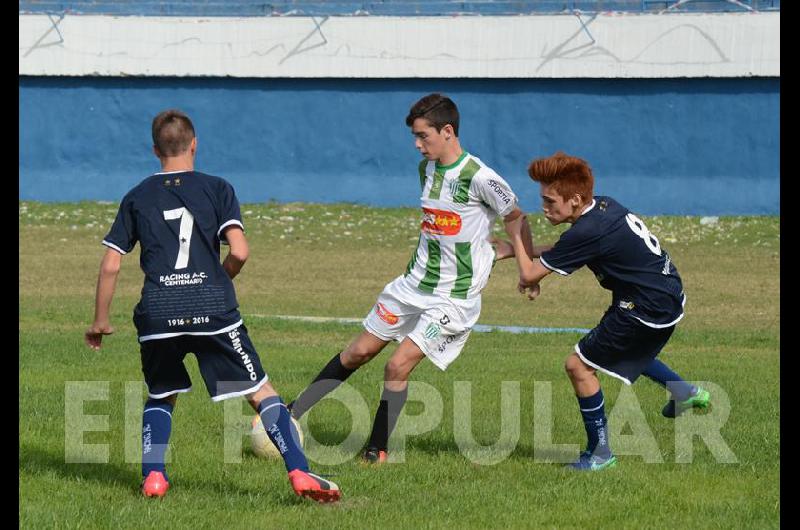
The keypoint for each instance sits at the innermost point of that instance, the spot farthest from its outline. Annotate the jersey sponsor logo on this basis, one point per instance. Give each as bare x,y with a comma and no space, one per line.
499,190
443,346
237,345
386,315
440,222
183,278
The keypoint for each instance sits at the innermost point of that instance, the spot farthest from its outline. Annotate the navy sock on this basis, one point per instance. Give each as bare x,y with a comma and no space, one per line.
594,420
156,428
330,377
278,424
664,376
386,417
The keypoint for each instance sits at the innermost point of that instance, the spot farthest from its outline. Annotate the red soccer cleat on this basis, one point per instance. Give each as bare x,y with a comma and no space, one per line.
155,485
375,456
307,484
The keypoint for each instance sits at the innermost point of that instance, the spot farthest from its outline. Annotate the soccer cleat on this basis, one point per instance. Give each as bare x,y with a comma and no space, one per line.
375,456
700,399
307,484
589,462
155,485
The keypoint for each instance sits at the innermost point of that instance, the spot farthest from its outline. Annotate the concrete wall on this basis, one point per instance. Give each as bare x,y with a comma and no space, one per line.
677,113
661,146
598,45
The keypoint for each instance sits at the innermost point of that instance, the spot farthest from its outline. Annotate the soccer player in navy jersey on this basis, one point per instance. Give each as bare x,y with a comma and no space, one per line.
188,303
647,295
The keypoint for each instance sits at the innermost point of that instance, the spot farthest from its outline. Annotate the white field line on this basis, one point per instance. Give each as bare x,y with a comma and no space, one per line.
480,328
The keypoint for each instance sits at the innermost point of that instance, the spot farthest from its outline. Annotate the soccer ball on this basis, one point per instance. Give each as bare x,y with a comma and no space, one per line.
262,445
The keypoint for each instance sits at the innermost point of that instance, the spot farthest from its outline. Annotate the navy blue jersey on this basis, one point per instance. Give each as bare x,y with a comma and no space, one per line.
626,259
178,219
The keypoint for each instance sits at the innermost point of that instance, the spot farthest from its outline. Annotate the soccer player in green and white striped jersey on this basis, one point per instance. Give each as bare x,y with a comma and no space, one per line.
431,308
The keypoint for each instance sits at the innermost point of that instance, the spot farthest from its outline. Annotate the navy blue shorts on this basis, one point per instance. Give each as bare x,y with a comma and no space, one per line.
621,346
228,363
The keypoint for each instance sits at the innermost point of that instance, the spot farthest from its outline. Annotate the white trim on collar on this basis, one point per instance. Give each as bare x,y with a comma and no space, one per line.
172,172
589,208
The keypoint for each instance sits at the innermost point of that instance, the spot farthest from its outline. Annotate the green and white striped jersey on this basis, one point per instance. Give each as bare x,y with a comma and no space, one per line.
460,203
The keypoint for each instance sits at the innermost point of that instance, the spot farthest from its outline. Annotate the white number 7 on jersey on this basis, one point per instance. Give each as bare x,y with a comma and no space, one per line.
185,235
641,230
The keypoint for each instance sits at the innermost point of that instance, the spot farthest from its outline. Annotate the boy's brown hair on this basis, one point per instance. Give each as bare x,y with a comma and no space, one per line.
568,174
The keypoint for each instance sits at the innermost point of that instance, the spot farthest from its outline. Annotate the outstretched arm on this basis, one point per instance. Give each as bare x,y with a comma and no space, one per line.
238,253
531,270
527,239
106,284
504,249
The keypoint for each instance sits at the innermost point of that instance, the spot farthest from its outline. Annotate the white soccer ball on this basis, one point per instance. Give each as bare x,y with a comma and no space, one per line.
262,445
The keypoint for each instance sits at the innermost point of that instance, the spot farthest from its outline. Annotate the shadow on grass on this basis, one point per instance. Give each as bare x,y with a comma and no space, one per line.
438,445
36,461
446,445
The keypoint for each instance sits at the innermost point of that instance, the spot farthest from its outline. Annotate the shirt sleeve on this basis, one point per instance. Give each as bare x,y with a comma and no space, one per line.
229,212
495,192
573,250
123,234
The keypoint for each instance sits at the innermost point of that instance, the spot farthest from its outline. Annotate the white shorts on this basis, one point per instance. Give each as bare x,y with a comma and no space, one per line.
438,325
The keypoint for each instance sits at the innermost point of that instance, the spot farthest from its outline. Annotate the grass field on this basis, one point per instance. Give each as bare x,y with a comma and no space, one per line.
333,260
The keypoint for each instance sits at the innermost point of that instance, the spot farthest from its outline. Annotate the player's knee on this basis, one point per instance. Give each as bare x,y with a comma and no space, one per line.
261,394
395,370
356,356
171,399
575,368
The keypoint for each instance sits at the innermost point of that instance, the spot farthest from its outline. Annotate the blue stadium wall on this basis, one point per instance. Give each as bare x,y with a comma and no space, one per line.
661,146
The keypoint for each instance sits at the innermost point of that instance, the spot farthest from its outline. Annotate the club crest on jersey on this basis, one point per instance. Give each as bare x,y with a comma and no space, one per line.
440,222
454,186
386,315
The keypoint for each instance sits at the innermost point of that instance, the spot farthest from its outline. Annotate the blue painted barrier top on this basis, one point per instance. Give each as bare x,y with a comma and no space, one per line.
259,8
